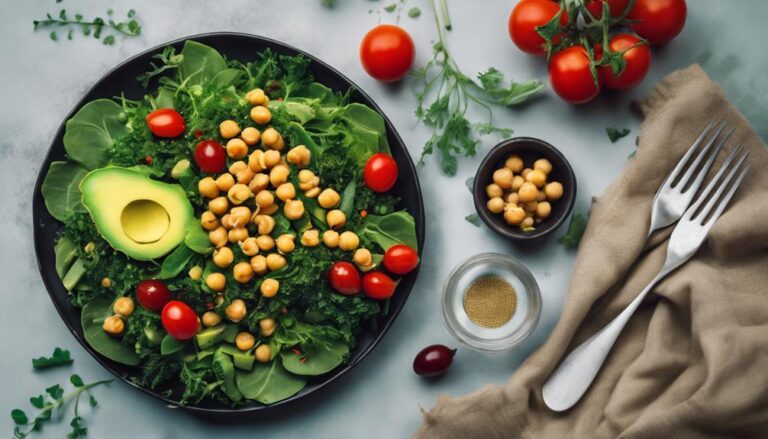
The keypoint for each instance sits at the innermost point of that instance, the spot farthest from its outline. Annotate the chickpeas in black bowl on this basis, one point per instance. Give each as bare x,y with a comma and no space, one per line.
524,189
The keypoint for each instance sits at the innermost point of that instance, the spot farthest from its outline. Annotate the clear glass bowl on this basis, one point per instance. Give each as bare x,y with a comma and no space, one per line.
523,321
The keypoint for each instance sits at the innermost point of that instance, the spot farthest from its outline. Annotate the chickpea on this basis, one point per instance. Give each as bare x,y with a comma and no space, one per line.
263,353
553,191
514,215
237,234
493,190
219,205
216,281
517,182
89,247
250,246
286,191
503,178
229,129
240,215
513,198
113,325
527,223
270,210
124,306
226,221
310,238
348,241
335,219
237,149
311,184
312,193
256,161
269,287
279,175
537,177
218,237
328,198
208,221
525,172
543,165
223,257
256,97
265,198
245,341
514,163
331,238
265,224
237,167
293,209
280,144
306,176
275,261
258,183
239,193
225,181
210,318
106,282
242,272
299,156
286,243
207,188
196,272
528,192
267,326
250,136
265,243
245,176
270,137
362,257
530,207
495,205
543,209
235,311
271,158
541,197
261,115
259,264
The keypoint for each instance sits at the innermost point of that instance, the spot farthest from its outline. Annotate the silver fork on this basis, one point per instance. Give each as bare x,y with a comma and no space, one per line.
678,190
573,377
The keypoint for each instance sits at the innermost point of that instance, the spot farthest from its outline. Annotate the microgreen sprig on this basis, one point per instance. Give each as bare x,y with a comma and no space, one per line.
59,357
130,27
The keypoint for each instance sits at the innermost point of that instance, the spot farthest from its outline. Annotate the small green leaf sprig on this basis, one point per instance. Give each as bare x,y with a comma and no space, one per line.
96,27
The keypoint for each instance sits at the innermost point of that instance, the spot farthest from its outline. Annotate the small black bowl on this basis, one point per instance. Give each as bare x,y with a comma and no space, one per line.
530,149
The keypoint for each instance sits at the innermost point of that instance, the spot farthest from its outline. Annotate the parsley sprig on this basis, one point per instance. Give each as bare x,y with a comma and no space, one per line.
130,27
59,357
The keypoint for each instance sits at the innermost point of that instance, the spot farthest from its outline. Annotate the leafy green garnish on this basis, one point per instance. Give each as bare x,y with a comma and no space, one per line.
414,12
470,183
474,219
58,358
130,27
61,189
92,131
575,231
390,7
616,133
92,319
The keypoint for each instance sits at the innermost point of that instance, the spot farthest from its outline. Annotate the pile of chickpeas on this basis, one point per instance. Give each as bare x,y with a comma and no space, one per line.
523,195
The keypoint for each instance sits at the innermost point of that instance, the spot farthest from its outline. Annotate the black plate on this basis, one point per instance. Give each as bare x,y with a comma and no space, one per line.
243,47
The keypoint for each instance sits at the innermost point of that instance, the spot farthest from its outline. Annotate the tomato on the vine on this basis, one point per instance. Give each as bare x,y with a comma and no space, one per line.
617,7
152,294
344,278
400,259
526,17
166,122
387,52
378,285
571,76
658,21
380,172
180,320
210,156
638,61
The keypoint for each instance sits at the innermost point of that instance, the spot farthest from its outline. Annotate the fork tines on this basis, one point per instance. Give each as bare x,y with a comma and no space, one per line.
715,196
692,160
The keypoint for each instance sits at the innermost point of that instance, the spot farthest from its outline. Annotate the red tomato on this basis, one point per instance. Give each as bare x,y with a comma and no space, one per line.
526,17
166,122
638,62
210,156
152,294
658,21
344,278
616,7
400,259
179,320
380,172
571,77
378,285
387,52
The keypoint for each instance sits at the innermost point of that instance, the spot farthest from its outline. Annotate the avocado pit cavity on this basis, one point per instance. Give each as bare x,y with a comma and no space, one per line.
145,221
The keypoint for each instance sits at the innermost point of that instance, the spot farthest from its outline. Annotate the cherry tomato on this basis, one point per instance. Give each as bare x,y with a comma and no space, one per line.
571,77
617,7
387,52
166,122
179,320
380,172
638,62
378,285
344,278
400,259
658,21
152,294
526,17
210,156
433,360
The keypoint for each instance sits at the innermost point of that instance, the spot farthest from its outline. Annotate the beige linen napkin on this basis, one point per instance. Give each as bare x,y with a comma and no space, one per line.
693,361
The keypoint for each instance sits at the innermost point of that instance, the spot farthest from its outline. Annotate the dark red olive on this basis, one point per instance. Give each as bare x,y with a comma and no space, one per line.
433,360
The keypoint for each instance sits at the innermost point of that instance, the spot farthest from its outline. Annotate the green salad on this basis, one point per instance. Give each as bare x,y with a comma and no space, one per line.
231,231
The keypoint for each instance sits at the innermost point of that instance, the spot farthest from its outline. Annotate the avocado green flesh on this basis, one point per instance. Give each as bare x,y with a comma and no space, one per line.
242,360
210,336
141,217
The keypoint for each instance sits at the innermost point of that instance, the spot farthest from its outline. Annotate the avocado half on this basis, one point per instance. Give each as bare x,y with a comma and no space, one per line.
141,217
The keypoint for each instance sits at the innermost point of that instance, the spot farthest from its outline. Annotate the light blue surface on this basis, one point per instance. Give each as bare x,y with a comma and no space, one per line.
41,80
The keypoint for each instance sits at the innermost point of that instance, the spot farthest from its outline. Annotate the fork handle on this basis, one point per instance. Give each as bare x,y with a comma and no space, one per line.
575,374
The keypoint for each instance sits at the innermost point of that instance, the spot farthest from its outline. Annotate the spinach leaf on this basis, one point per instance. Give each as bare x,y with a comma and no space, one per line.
66,253
575,231
614,134
225,372
300,109
315,358
197,240
91,132
268,383
92,319
228,77
200,63
175,262
365,132
474,219
388,230
348,198
61,189
170,345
